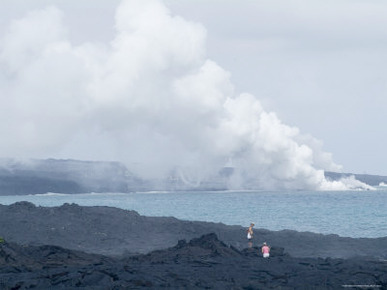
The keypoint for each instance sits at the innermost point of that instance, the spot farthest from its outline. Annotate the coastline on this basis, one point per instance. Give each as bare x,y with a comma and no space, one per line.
77,247
114,232
348,214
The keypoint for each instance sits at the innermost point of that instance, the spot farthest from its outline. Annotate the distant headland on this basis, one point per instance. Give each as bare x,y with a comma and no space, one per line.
69,176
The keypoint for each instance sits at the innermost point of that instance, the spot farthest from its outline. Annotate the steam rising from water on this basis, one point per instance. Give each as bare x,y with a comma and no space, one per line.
151,99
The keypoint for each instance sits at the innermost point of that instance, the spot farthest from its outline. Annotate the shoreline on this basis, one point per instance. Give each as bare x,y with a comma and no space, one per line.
78,247
113,231
347,215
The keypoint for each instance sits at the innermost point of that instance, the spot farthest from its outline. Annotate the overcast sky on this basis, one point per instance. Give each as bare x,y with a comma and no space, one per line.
313,70
320,65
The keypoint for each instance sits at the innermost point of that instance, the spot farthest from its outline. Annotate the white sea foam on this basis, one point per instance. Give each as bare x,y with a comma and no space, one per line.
50,194
153,192
346,183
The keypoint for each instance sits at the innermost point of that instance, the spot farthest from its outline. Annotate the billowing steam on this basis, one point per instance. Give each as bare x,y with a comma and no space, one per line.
150,98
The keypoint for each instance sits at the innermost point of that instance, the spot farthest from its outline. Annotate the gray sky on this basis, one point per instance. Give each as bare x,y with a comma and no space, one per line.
318,65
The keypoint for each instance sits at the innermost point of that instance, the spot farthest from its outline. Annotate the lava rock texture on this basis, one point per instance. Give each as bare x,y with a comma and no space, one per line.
202,263
75,247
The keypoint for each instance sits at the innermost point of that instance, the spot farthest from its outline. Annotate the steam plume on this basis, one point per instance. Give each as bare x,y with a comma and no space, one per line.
150,98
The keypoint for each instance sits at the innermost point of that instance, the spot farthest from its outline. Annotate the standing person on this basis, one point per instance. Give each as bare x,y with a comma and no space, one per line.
265,250
250,234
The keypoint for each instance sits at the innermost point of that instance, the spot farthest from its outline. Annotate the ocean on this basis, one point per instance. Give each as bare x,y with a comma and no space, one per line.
345,213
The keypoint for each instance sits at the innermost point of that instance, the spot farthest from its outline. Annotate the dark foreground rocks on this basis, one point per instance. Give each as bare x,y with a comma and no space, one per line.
202,263
74,247
116,232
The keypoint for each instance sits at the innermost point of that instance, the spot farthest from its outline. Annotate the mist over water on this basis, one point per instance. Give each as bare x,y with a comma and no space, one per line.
149,98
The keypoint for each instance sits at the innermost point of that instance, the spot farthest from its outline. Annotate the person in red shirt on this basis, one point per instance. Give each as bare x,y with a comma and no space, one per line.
265,250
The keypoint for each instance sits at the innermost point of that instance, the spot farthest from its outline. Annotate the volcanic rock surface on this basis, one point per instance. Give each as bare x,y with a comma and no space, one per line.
202,263
116,232
75,247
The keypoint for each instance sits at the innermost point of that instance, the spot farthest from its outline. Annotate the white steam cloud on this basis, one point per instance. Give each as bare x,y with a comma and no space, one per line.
150,99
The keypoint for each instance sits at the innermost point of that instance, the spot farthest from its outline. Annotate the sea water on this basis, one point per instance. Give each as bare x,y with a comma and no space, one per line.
346,213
